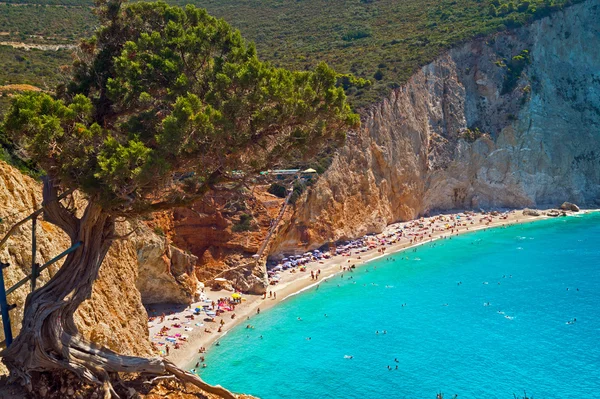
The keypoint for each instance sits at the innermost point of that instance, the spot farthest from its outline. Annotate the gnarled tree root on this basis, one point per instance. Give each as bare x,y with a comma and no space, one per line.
93,365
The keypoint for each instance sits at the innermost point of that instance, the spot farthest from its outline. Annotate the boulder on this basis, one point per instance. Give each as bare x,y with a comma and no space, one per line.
553,212
531,212
567,206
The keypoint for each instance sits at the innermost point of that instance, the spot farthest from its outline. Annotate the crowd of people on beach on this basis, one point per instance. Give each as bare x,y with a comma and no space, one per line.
174,324
409,233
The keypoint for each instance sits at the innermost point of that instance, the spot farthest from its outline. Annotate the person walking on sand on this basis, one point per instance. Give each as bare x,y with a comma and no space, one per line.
274,295
257,310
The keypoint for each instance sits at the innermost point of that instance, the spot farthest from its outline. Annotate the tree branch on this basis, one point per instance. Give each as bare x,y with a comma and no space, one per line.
122,236
55,212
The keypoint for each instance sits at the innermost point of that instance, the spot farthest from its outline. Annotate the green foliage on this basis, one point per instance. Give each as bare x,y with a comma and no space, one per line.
356,34
36,67
166,102
8,154
352,36
471,135
299,188
277,190
30,23
514,70
245,224
159,231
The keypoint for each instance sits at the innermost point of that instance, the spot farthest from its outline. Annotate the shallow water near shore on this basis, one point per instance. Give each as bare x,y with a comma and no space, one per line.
536,277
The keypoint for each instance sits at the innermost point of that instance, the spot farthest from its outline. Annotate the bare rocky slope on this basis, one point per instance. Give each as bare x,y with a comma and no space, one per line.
473,129
143,267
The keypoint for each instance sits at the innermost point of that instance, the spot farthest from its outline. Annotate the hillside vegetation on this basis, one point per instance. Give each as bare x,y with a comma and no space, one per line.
382,40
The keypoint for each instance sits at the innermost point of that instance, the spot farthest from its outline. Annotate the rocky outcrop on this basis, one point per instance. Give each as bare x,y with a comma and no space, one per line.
224,230
168,272
507,121
567,206
531,212
114,316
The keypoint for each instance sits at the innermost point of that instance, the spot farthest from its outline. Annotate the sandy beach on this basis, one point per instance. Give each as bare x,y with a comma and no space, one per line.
196,331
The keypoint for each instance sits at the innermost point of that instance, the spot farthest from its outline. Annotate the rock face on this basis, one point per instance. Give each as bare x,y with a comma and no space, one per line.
567,206
213,229
114,316
507,121
168,272
531,212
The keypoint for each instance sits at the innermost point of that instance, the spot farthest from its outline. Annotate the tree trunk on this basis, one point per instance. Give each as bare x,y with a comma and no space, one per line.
49,339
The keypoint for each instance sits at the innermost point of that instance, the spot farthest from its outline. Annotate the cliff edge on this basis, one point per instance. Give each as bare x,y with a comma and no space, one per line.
511,120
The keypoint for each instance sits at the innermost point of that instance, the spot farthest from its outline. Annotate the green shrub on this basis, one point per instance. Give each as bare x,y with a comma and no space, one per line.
356,34
245,224
471,135
514,70
277,190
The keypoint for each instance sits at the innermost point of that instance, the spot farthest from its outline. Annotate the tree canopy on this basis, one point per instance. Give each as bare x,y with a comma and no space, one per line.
165,102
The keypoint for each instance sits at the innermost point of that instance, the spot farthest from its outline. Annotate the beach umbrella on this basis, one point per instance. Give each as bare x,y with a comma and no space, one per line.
235,295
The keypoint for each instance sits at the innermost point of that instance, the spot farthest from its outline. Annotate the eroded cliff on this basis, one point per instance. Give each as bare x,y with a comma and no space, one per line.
507,121
224,230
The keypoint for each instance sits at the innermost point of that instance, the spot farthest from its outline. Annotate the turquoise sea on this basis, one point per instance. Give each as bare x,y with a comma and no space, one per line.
444,339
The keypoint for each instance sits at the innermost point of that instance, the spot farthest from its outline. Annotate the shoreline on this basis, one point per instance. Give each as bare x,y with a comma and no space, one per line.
292,284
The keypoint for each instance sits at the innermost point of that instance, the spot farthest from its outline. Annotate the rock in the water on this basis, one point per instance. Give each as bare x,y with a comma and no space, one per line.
531,212
567,206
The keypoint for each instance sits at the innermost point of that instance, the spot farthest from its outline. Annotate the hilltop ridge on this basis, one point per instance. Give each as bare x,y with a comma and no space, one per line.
382,40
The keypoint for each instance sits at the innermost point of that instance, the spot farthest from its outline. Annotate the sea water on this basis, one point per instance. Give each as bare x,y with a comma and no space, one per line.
485,316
